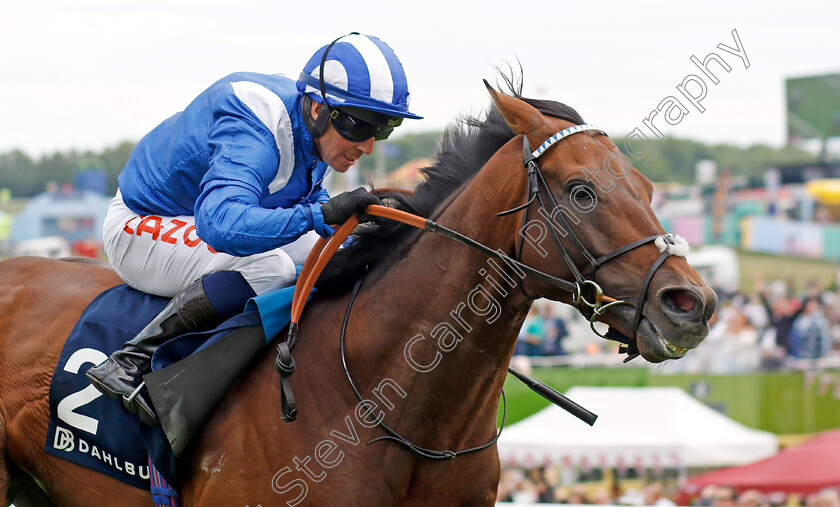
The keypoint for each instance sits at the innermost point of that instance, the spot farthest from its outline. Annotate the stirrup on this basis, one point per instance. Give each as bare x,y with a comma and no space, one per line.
128,400
139,403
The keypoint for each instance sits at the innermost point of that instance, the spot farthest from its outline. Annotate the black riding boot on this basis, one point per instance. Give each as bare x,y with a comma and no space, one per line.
121,376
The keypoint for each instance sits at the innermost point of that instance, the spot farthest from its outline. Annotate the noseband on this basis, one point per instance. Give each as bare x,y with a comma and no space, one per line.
587,295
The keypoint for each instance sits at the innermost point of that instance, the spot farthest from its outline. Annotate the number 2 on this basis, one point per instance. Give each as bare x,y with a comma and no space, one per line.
67,406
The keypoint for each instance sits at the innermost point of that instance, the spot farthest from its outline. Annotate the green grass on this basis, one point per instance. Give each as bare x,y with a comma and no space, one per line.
522,401
783,402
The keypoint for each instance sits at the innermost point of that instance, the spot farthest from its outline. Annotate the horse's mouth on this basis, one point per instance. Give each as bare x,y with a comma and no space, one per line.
649,341
654,347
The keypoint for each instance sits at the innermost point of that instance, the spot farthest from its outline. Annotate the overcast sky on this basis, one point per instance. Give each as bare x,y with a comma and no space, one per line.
90,73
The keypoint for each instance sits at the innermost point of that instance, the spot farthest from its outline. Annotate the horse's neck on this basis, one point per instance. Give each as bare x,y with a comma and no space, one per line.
446,322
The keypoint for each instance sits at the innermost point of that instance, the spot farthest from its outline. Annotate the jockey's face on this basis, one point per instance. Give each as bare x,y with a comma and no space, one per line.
336,151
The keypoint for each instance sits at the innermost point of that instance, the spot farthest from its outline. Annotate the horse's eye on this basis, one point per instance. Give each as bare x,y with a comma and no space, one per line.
582,196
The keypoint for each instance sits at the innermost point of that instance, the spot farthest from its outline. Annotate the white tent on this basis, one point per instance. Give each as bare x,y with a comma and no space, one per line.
636,426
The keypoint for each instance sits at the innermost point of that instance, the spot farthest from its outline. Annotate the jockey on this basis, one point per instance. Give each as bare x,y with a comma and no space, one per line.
219,202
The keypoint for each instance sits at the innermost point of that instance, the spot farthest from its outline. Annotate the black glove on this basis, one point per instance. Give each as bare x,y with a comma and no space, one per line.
338,209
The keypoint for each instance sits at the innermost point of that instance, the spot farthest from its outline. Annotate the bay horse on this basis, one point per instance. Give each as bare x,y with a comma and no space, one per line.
426,344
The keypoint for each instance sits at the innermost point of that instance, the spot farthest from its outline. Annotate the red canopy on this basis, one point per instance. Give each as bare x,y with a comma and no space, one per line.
804,469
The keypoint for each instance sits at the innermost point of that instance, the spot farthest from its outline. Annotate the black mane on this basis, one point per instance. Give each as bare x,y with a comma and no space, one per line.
464,149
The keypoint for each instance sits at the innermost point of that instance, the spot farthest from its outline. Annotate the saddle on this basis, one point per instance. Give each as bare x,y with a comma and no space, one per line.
88,429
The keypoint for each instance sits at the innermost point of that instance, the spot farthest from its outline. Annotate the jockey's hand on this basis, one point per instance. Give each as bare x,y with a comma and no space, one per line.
338,209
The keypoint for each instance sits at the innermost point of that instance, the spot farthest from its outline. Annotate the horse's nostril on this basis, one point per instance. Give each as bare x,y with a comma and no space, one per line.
684,300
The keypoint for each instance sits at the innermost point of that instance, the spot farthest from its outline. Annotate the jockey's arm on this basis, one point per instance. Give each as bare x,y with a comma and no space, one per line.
229,214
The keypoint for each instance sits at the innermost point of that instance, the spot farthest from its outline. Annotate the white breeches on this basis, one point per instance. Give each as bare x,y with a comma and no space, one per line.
163,255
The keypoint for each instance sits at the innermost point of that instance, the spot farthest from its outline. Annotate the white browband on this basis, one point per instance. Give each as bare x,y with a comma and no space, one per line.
674,244
563,134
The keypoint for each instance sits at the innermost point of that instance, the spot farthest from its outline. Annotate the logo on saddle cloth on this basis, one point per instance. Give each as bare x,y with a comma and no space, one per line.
65,440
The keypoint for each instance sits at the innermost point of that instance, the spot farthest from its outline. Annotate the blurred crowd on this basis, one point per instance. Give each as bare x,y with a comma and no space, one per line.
776,326
543,332
547,484
726,495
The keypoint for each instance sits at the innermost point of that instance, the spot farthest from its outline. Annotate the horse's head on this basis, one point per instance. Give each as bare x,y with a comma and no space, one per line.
589,221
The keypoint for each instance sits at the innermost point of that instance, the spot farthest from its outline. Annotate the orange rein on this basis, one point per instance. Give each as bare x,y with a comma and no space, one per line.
325,248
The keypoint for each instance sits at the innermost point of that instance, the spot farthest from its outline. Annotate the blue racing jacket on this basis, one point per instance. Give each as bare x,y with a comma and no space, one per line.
240,159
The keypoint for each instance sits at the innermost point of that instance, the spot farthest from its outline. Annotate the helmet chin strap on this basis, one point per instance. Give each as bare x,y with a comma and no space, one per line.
320,125
310,122
306,111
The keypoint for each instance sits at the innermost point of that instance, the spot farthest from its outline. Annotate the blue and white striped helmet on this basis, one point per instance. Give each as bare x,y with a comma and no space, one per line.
360,71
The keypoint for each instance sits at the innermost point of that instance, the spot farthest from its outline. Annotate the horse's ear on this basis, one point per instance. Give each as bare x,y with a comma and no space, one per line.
519,115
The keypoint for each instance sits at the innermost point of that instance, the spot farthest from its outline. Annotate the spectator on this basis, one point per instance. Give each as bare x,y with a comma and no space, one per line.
551,478
782,313
707,496
725,496
578,495
812,337
515,486
829,497
601,497
525,492
532,333
508,480
521,348
654,494
742,341
537,477
750,498
561,495
754,311
554,329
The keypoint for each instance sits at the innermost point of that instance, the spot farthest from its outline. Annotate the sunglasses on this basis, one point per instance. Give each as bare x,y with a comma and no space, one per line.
354,128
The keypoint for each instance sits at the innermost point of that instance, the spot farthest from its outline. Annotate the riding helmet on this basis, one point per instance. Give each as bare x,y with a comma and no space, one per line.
359,71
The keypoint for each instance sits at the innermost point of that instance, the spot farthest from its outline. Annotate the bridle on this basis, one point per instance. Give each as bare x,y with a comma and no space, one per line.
592,304
587,296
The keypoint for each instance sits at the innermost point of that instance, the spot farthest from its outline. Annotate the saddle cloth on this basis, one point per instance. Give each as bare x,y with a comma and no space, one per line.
87,428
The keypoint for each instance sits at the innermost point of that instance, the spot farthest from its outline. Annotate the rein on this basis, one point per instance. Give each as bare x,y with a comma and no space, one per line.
596,304
393,435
